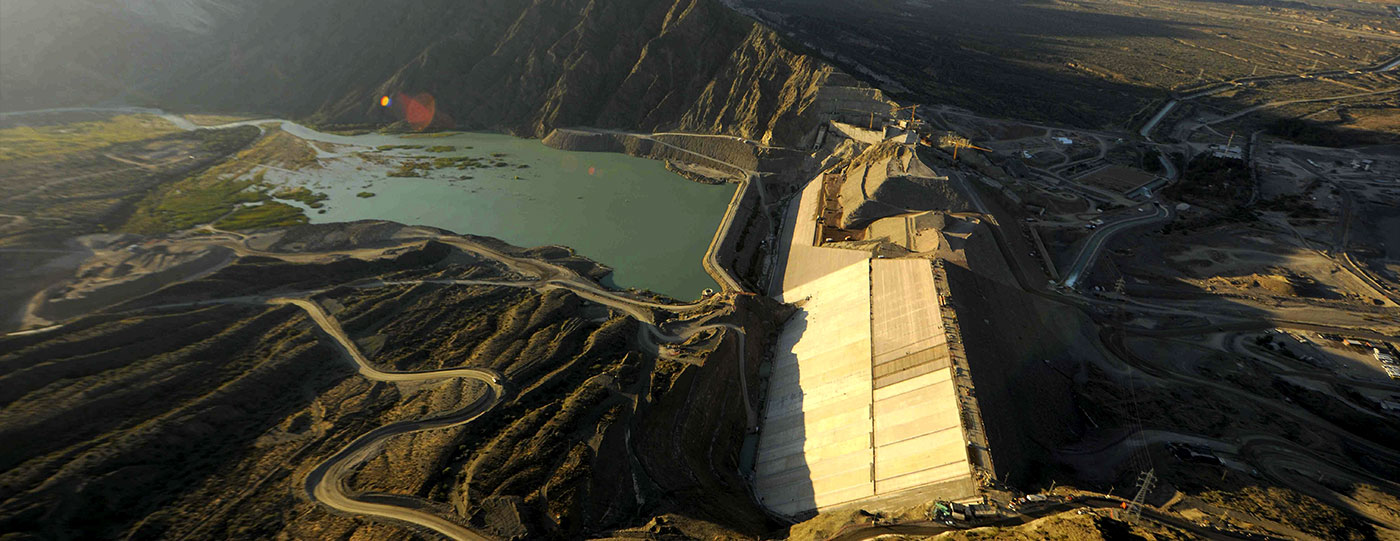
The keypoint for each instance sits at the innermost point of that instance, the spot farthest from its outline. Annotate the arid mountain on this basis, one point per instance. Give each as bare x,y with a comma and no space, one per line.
203,411
520,67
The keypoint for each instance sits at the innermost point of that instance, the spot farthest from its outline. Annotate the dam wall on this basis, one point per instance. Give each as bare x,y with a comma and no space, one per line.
735,255
741,249
857,133
870,401
720,161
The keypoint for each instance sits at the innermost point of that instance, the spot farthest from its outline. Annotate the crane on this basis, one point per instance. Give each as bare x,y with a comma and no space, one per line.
958,142
911,111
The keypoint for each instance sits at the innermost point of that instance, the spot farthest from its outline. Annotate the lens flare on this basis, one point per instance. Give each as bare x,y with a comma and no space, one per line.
419,110
385,101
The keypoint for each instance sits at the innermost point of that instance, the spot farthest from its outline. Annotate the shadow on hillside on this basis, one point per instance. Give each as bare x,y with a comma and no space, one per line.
783,477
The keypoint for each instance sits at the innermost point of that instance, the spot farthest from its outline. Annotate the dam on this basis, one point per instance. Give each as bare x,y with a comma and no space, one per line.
869,397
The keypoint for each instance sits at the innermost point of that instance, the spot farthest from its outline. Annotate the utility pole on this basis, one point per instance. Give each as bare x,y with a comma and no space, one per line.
1145,482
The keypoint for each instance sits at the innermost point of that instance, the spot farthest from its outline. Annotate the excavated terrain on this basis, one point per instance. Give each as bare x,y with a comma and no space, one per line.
890,179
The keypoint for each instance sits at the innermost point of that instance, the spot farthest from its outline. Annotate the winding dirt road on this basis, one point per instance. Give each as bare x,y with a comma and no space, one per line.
327,483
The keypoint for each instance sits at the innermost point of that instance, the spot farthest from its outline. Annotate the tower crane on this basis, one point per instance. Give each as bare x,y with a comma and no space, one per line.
968,145
911,111
960,142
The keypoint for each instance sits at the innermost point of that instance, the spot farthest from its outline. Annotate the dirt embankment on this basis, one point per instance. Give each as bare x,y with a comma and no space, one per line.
890,179
1023,353
742,251
723,163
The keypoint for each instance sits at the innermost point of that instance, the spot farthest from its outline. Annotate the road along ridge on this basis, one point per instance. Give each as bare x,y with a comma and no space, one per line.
327,483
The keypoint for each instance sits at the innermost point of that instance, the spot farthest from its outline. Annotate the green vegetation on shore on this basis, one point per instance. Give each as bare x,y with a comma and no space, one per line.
217,193
28,142
303,195
414,168
410,169
268,214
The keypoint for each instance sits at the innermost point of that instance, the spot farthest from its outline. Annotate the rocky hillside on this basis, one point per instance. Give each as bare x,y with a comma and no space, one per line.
200,411
521,67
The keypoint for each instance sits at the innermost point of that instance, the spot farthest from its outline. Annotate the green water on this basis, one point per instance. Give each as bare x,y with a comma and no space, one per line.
650,225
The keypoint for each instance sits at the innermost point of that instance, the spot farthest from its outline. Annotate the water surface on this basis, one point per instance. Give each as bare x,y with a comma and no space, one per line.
650,225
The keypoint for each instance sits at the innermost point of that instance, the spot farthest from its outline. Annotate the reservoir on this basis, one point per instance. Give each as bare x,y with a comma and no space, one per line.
649,224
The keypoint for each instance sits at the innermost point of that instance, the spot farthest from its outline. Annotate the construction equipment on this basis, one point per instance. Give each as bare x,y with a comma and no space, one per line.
911,108
957,142
969,145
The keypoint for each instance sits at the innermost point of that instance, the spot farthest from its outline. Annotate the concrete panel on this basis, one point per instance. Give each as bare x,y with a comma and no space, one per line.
815,442
776,423
934,355
801,261
826,469
920,453
938,391
817,434
839,483
934,414
904,308
911,372
852,493
933,418
912,384
946,472
891,433
826,367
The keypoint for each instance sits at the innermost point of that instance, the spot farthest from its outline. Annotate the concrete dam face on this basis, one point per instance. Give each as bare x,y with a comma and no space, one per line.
867,400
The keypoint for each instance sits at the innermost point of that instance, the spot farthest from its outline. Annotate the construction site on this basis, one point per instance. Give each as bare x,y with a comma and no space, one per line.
868,396
913,287
870,399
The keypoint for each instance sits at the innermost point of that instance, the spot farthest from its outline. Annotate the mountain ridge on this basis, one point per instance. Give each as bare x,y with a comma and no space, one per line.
521,68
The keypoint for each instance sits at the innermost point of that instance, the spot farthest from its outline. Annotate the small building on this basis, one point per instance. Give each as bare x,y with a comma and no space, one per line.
1233,152
1065,140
